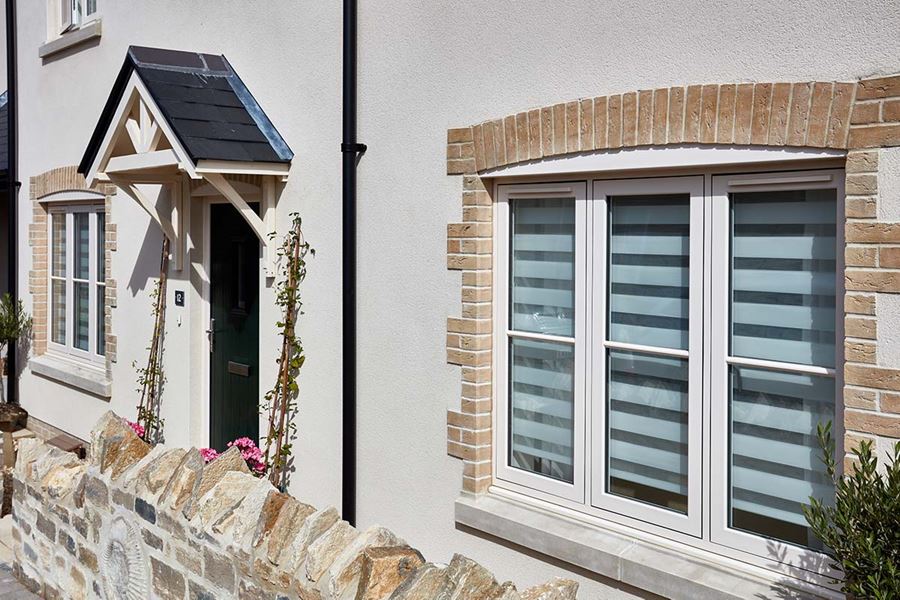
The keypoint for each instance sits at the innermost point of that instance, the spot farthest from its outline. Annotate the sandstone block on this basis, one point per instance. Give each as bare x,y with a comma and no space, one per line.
385,569
341,581
326,549
150,480
182,481
168,583
230,461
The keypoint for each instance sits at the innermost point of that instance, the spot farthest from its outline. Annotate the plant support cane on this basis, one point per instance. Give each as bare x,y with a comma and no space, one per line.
152,378
281,401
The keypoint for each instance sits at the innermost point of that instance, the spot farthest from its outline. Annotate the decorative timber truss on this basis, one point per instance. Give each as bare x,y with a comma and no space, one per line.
179,125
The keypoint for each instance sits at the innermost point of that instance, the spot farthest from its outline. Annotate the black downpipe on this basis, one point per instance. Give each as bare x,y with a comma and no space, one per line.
12,98
351,152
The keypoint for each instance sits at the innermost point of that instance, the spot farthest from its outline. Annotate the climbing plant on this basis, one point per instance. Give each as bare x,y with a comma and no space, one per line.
281,400
151,378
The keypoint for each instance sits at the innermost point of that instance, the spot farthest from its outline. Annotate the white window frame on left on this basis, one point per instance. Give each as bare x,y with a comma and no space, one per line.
64,16
95,281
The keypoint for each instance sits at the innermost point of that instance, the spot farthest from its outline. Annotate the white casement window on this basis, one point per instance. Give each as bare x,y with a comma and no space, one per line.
72,14
665,348
77,286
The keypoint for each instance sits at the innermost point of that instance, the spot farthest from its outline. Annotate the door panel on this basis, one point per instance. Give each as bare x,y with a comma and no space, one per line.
234,326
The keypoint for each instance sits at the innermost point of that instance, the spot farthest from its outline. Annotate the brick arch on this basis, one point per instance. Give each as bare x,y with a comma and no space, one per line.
812,114
861,117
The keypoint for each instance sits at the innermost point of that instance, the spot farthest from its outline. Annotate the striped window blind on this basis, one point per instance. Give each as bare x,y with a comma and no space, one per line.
58,278
542,301
783,295
81,284
647,404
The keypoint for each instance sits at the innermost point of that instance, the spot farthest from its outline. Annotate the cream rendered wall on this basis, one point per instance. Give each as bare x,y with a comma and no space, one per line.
424,67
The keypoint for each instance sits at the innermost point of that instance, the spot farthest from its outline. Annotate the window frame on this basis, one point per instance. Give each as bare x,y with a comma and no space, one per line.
577,190
94,282
718,237
799,563
598,283
68,16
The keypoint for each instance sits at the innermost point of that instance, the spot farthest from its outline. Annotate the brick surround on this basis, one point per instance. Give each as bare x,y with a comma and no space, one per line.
861,117
64,179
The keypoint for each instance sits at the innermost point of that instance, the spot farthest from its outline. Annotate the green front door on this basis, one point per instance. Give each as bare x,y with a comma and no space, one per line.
234,327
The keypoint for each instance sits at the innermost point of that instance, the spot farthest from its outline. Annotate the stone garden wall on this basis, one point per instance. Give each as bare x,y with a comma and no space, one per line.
133,522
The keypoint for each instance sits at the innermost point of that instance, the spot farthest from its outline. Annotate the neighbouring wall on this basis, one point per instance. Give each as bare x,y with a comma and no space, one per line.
136,522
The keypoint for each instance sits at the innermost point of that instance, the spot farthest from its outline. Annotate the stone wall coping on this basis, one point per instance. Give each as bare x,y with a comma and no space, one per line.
162,521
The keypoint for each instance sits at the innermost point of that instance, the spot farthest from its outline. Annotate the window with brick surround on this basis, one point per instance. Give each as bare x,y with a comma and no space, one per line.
77,286
665,348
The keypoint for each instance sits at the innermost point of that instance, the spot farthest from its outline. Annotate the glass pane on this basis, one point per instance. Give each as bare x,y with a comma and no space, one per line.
647,437
541,398
58,309
101,320
101,247
58,249
82,312
649,252
542,294
783,276
90,7
775,463
82,246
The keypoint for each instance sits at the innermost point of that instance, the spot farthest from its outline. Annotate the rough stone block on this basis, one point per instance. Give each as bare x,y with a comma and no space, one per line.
150,480
181,484
341,580
168,584
218,569
326,549
230,461
385,569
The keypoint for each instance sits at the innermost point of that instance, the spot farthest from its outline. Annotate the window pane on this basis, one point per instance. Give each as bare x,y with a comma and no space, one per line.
649,252
775,463
647,437
58,249
783,276
542,408
101,320
82,311
90,7
58,300
82,246
101,247
542,295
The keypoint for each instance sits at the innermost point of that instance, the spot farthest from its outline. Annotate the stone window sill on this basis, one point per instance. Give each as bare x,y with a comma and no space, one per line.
88,31
89,379
681,572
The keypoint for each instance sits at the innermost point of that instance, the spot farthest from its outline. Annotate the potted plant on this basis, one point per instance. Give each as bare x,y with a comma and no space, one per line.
15,324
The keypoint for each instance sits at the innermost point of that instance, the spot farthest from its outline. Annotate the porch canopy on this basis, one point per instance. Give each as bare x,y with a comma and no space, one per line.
183,120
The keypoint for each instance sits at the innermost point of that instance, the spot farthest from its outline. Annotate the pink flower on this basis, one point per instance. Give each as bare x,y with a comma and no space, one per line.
252,455
136,427
208,454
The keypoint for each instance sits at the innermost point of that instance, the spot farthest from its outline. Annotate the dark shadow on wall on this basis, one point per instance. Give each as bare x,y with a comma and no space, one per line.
146,265
562,565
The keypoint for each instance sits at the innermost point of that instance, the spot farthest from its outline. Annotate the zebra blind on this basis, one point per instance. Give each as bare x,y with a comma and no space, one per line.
647,404
542,303
783,295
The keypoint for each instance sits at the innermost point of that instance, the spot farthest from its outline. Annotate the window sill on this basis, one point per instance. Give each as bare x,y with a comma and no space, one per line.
86,32
668,569
88,379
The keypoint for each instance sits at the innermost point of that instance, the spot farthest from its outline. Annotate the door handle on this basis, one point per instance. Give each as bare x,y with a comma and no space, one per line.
211,334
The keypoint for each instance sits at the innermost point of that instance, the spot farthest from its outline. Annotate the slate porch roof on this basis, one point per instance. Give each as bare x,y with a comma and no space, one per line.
208,107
